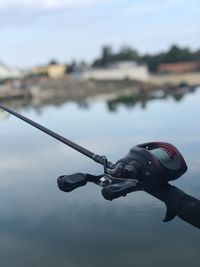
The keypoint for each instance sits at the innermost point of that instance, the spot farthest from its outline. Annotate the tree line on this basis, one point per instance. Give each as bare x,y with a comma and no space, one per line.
174,54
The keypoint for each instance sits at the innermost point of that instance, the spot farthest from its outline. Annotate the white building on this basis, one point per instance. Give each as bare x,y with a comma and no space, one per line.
118,71
7,73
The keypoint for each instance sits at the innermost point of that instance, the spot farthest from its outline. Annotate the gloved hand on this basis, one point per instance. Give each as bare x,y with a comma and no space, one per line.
123,170
125,167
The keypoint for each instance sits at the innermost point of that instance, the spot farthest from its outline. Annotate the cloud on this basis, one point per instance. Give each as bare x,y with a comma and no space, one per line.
47,4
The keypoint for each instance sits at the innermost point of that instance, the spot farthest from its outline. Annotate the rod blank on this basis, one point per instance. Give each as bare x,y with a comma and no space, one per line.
99,159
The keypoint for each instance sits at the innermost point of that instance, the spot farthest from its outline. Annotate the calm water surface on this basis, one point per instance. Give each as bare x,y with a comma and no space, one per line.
42,226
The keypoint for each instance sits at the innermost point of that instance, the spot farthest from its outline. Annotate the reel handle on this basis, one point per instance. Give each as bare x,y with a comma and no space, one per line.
113,191
68,183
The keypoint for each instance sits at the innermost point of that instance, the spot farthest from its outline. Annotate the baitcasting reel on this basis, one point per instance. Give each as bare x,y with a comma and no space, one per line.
148,164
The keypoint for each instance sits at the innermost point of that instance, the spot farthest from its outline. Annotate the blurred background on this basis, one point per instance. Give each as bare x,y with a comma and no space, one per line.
107,75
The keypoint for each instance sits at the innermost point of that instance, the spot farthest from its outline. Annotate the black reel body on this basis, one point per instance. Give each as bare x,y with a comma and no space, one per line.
156,162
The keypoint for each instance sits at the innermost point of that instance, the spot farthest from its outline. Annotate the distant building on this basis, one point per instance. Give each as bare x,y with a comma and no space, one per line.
51,70
119,71
56,70
8,73
179,67
39,70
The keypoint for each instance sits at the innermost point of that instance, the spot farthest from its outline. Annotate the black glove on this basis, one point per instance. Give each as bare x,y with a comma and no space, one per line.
125,167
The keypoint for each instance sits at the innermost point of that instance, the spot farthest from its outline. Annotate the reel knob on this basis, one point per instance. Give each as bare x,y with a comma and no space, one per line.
120,189
67,183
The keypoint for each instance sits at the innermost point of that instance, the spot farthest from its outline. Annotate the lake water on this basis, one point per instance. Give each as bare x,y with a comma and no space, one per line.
42,226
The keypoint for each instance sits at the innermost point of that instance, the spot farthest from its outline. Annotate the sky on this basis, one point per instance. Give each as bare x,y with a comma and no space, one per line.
33,32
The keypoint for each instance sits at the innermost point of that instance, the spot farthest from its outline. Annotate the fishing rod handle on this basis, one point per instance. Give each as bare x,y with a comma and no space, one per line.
178,203
189,210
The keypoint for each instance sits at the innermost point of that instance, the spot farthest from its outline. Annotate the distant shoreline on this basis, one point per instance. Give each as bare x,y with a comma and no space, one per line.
44,89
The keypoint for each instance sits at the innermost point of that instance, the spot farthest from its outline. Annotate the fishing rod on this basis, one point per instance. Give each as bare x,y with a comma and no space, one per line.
98,158
147,167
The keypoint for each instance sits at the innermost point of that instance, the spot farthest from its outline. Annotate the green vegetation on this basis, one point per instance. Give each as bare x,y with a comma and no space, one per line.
174,54
108,56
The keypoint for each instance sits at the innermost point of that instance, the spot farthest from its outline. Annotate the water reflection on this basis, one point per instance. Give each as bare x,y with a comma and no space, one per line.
143,98
128,98
41,226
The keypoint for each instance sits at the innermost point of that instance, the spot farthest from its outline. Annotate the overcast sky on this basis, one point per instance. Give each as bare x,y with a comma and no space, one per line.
35,31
